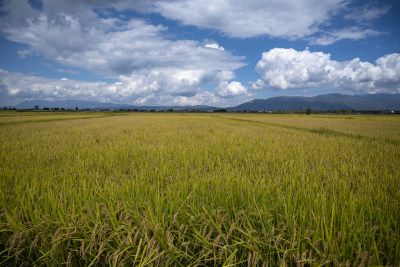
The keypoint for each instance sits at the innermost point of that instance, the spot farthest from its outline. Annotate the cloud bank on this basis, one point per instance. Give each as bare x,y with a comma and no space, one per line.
252,18
276,18
137,90
113,47
149,66
283,69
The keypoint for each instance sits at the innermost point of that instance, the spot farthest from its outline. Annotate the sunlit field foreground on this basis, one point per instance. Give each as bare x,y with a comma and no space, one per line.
178,189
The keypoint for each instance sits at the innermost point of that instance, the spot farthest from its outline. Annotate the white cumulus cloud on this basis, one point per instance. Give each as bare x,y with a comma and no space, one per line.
282,18
113,47
290,69
232,89
153,89
146,62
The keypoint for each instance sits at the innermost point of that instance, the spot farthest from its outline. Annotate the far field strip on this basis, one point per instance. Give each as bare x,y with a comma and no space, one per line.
388,130
320,130
20,120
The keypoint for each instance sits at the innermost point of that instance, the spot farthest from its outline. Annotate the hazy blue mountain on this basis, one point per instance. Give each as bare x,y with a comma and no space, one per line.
325,102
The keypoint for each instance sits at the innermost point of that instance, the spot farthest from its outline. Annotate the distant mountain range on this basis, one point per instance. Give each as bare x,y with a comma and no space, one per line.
325,102
321,102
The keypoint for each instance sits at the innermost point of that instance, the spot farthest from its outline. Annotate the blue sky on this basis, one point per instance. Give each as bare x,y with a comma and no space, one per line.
181,52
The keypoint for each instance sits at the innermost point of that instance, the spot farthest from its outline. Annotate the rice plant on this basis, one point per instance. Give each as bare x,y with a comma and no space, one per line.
177,189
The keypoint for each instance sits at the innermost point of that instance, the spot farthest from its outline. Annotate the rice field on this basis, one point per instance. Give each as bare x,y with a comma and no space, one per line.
185,189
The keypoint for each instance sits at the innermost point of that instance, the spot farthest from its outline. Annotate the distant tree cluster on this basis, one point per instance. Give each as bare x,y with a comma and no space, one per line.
307,111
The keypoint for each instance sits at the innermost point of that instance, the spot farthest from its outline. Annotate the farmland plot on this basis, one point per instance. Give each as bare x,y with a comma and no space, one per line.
206,189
